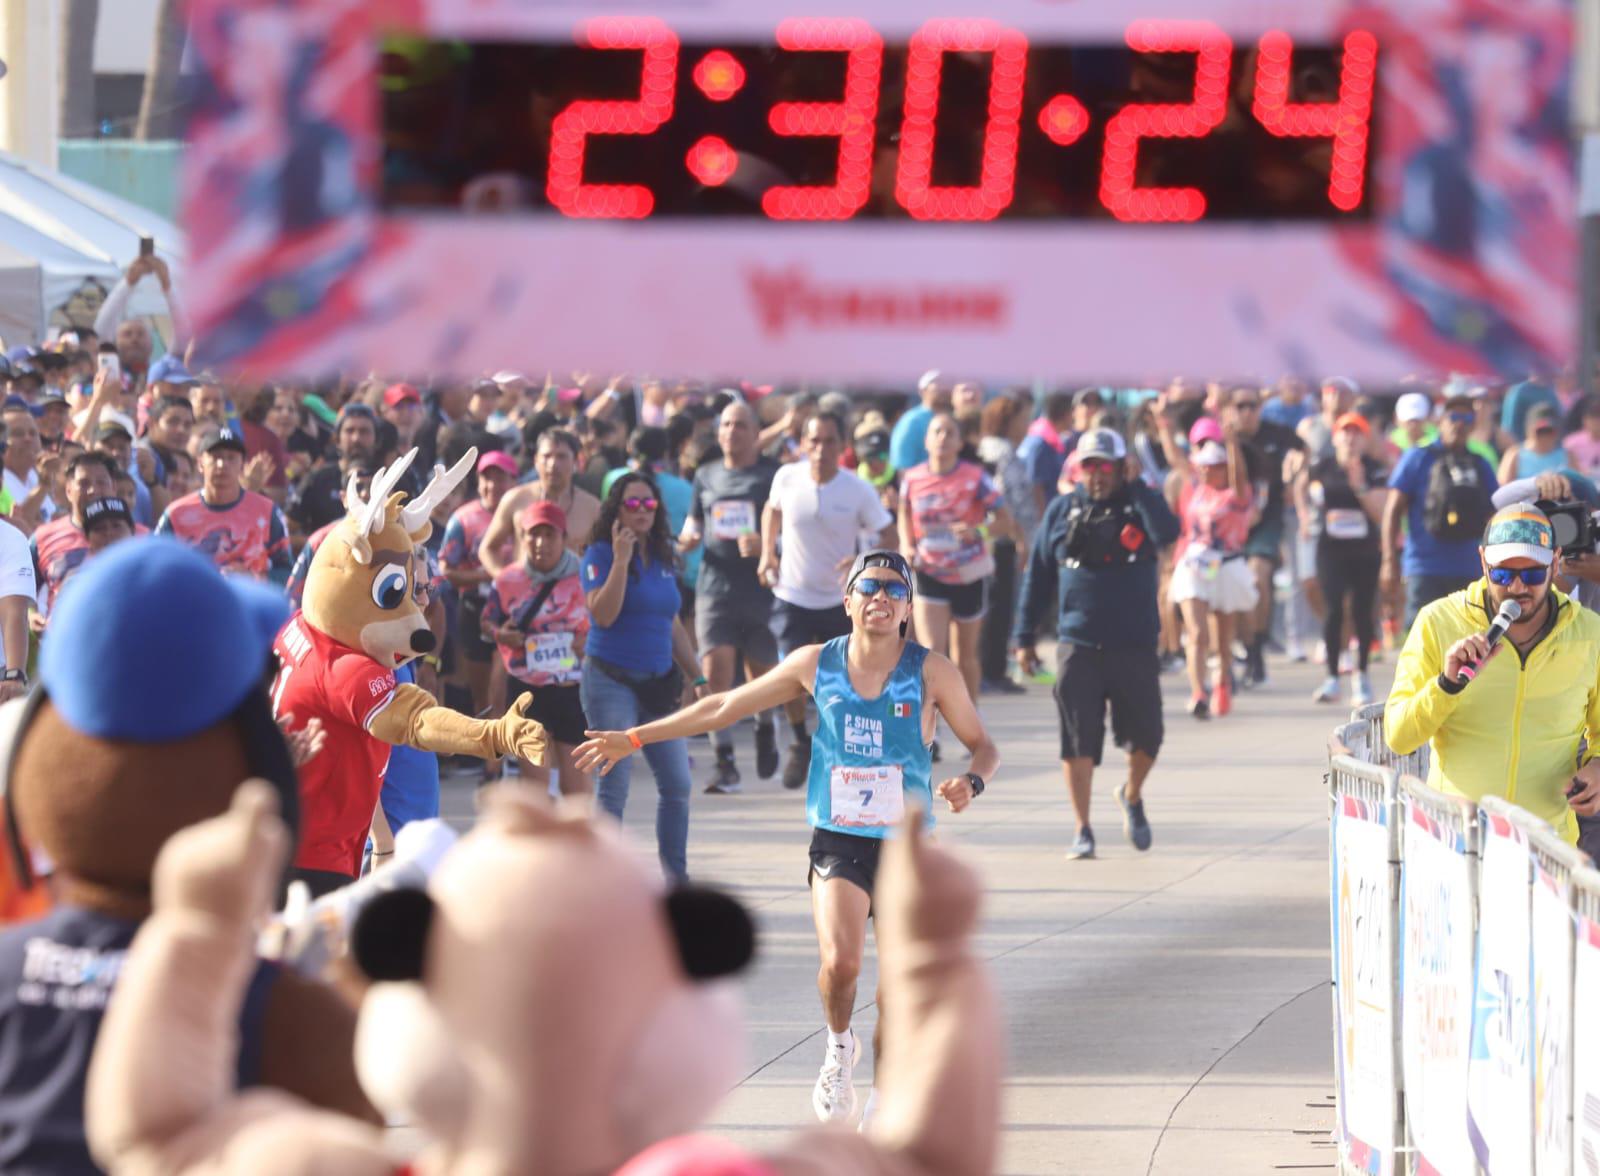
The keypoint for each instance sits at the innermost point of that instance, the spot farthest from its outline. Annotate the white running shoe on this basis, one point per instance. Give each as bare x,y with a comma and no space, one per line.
1361,694
834,1098
870,1109
1327,692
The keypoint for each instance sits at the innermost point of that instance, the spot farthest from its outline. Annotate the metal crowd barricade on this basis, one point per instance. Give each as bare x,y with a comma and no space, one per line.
1586,1022
1438,934
1364,865
1377,751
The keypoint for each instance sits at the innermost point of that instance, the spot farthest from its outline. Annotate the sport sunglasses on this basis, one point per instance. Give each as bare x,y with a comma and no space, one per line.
1505,577
869,586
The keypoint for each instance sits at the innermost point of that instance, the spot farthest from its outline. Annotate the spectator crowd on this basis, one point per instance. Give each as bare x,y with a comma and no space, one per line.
627,543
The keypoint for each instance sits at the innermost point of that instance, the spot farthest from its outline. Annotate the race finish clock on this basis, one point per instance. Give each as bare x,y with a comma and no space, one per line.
1064,189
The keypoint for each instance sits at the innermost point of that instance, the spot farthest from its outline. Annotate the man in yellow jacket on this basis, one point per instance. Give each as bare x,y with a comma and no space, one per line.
1514,730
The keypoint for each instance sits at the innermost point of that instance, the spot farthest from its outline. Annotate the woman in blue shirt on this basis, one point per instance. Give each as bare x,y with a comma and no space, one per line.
638,652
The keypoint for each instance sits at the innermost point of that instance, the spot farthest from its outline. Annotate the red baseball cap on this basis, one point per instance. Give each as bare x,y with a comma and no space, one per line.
495,459
543,514
1353,420
397,393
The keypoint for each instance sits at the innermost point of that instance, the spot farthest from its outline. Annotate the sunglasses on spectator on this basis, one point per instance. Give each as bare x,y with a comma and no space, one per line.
640,503
1461,418
1090,464
1505,577
1251,405
868,587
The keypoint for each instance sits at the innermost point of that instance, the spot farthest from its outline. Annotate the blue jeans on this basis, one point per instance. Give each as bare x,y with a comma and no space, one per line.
610,705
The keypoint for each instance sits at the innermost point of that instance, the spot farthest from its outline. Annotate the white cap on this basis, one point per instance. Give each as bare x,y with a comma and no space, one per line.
508,377
929,378
1101,443
1211,454
1413,406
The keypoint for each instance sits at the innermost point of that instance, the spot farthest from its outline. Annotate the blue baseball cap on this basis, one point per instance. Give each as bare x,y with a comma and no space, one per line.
169,369
149,643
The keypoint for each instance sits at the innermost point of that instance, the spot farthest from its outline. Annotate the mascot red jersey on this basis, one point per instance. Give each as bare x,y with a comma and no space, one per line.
358,622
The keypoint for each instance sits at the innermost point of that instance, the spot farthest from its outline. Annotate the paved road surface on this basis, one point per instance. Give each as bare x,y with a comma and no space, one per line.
1168,1012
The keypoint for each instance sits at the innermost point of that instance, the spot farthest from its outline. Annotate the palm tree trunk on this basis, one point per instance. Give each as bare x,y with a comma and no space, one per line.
159,117
78,21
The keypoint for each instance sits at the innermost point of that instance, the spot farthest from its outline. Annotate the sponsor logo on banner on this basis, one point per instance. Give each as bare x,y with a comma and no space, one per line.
1363,952
1500,1073
1436,918
1552,1021
1586,1051
786,299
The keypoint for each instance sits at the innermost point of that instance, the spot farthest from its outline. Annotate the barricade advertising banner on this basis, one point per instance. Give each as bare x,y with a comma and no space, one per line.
1500,1074
1363,951
1586,1045
1552,1018
1436,917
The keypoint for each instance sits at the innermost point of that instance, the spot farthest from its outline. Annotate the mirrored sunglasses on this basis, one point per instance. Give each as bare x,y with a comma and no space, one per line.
1505,577
870,586
640,503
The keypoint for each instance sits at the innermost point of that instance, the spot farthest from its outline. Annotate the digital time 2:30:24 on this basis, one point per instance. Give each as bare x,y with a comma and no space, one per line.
1230,117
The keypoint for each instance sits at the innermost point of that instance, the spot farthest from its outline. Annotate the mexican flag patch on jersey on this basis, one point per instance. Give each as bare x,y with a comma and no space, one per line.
902,710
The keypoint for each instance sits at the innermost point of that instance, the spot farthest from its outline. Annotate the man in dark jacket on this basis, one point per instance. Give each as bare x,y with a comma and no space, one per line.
1095,557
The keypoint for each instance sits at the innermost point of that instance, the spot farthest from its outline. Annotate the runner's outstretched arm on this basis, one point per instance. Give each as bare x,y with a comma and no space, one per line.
790,679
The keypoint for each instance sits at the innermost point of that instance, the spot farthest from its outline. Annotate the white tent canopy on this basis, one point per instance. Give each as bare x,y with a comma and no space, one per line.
63,245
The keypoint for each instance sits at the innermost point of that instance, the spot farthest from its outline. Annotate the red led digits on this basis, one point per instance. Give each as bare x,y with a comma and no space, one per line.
1001,140
712,161
1214,63
853,121
572,127
1348,122
719,75
1064,120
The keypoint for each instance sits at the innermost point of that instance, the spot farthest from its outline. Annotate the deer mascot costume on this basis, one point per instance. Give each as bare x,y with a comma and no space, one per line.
358,622
547,1008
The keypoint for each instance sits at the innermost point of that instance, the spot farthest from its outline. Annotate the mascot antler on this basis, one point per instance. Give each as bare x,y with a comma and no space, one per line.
368,515
419,510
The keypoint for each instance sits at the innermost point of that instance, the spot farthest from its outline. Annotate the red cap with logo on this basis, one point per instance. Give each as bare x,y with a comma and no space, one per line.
543,514
497,459
399,393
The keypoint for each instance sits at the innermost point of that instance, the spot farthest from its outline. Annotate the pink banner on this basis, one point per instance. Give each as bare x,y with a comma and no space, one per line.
1075,189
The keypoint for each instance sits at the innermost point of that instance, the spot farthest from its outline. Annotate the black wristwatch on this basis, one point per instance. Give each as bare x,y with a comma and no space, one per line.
15,676
976,781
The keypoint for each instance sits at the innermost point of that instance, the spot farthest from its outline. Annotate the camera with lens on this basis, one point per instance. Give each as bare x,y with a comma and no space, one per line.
1576,526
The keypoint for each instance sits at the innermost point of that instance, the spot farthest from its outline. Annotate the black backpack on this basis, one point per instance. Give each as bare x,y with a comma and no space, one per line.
1458,505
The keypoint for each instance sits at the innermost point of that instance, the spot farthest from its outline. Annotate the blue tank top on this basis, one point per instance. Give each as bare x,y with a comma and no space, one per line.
868,760
1531,464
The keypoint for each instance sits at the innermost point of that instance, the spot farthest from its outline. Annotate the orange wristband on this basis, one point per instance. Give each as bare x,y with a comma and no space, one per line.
634,739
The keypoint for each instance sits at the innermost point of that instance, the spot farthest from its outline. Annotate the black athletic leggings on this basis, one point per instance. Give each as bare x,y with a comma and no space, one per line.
1340,572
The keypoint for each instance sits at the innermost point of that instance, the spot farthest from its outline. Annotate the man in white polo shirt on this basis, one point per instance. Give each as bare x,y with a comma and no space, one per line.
819,511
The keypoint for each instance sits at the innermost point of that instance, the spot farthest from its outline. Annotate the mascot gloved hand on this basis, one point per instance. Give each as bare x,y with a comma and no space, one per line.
582,1033
359,621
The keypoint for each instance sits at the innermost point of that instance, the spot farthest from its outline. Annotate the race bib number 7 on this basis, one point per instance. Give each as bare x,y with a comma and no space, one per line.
868,797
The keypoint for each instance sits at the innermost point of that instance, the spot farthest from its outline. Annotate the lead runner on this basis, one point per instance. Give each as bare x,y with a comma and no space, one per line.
870,758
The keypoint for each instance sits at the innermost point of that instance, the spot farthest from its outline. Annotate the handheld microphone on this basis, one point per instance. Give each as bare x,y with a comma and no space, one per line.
1509,612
